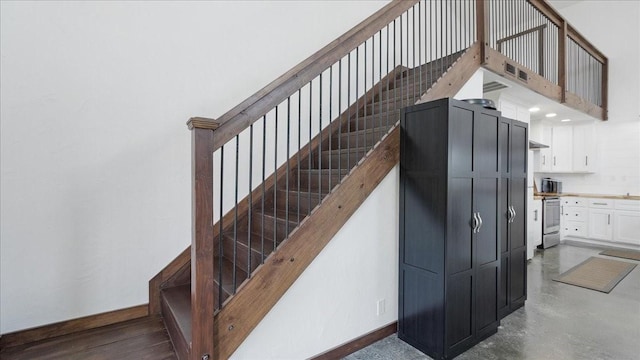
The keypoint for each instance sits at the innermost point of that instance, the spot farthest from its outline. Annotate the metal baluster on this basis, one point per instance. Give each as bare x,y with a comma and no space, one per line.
330,121
408,94
401,63
235,218
379,80
395,65
286,196
320,142
250,210
264,162
432,43
340,119
220,230
299,133
364,115
441,44
413,58
310,154
388,76
357,105
275,183
348,111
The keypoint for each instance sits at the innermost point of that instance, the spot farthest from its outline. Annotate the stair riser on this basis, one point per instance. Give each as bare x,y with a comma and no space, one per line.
316,181
280,227
349,140
386,105
307,201
367,123
242,255
345,157
180,343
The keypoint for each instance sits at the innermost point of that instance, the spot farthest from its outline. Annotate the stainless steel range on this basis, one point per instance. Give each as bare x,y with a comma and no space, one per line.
550,222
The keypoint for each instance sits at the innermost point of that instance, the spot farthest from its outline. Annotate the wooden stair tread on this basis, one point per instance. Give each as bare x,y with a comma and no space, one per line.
280,215
360,149
256,239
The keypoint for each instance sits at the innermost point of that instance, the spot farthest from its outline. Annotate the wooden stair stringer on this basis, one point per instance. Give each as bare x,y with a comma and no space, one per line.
241,313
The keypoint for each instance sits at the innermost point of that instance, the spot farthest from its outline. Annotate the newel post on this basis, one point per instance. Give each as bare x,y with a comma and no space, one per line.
562,60
482,28
202,302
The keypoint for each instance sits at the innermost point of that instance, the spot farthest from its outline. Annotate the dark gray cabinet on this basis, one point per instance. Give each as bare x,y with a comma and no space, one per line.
450,224
513,206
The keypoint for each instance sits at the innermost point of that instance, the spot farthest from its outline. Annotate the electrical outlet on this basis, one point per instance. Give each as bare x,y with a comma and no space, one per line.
380,307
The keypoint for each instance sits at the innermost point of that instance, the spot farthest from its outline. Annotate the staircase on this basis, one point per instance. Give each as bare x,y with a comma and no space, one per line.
287,204
345,141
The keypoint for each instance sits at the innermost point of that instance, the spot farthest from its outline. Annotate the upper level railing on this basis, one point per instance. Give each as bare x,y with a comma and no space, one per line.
260,168
530,41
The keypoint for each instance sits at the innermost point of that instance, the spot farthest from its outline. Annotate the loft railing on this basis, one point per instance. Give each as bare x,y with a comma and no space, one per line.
261,168
530,42
586,70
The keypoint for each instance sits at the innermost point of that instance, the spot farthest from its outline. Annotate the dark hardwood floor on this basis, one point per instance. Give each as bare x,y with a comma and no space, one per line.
144,338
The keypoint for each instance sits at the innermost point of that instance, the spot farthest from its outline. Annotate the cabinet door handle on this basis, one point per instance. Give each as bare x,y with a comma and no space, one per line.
474,223
535,215
479,225
599,203
544,160
514,213
554,161
608,219
586,161
511,214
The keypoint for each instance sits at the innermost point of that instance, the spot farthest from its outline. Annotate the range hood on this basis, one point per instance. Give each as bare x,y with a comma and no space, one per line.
534,145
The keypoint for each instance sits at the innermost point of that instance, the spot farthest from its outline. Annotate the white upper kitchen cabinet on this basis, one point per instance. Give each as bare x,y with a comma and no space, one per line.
545,161
562,148
584,148
572,148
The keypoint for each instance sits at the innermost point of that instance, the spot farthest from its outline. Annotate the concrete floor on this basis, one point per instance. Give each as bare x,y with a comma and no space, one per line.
558,321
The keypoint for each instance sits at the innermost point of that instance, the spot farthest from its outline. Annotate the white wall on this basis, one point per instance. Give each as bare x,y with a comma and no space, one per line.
95,156
614,28
335,299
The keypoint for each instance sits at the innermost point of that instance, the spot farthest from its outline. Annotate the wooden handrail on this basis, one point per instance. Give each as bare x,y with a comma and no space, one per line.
234,121
521,33
585,44
548,11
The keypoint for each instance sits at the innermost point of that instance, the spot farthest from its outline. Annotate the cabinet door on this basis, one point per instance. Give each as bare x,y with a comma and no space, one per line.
562,148
600,224
545,156
486,153
627,226
583,148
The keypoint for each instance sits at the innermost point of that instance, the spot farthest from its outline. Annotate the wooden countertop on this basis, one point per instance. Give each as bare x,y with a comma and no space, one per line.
540,196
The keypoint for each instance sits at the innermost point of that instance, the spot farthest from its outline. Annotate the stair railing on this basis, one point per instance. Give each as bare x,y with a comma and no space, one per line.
530,42
261,168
